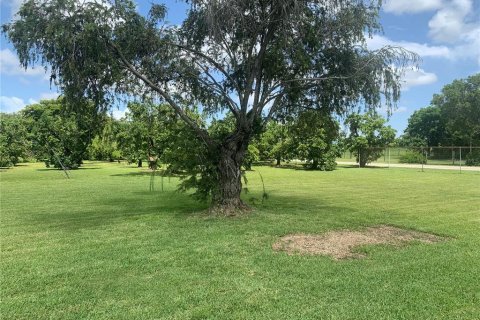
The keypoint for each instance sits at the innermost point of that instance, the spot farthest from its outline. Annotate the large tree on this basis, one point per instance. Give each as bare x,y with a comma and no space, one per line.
312,139
252,59
61,132
452,119
426,127
459,103
368,136
14,143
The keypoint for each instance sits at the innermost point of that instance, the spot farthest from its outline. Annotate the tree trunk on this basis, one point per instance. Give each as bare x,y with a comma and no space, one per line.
139,164
278,161
226,198
363,158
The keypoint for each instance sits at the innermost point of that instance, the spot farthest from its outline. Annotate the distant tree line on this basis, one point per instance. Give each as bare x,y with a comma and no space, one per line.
56,132
452,119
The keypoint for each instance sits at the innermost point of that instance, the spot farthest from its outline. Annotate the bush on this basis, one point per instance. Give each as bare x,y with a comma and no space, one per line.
473,158
413,157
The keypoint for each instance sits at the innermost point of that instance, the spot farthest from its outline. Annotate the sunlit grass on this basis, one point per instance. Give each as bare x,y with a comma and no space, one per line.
102,246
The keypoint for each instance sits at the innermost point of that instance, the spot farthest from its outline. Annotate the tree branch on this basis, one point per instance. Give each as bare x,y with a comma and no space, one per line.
219,89
203,134
209,59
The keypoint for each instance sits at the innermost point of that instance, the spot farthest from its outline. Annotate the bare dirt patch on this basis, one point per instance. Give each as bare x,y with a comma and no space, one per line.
342,244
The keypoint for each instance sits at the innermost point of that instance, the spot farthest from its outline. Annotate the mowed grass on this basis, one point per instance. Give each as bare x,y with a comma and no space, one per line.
102,246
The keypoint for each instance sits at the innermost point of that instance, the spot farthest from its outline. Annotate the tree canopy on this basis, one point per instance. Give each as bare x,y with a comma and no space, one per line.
60,133
14,142
368,136
453,118
254,60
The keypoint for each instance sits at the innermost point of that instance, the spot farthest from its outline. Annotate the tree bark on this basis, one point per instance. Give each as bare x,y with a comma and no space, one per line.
363,158
139,164
278,161
226,197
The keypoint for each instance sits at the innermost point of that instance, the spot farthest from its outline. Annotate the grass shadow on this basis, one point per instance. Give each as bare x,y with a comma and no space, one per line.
290,166
351,166
57,169
145,173
109,211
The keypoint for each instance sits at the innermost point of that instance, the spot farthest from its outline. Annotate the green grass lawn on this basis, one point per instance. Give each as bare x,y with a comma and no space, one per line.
443,156
102,246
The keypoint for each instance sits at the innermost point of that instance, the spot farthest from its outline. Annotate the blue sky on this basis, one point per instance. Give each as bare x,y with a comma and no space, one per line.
446,34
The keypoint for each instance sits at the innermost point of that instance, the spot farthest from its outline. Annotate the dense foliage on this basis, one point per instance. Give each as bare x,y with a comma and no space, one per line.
413,156
312,140
453,119
368,136
60,132
14,143
473,158
104,145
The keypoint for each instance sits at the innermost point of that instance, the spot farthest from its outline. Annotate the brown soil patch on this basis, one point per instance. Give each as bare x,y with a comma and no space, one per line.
341,244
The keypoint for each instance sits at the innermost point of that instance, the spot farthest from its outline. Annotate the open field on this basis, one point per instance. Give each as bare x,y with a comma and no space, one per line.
436,156
102,246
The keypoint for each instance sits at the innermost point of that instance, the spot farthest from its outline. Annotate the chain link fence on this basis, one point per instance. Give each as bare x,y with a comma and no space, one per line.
425,157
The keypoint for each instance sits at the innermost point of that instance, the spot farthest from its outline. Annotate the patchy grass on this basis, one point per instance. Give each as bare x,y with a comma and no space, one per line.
344,244
101,246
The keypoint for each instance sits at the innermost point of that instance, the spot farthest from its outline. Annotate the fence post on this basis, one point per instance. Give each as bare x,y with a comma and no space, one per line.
388,148
460,159
425,154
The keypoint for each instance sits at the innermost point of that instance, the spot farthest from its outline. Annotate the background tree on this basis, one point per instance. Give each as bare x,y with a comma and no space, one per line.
251,59
459,103
149,129
426,127
312,135
274,142
104,145
140,130
14,143
61,132
368,136
453,119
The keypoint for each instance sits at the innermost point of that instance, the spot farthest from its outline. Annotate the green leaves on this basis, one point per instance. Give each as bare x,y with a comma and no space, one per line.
452,119
368,136
59,130
14,144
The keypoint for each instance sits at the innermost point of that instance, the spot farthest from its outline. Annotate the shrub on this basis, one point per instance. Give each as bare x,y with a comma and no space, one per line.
413,157
473,158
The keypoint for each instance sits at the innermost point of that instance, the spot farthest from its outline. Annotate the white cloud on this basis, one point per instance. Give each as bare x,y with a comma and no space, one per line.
384,110
409,6
422,49
10,65
118,114
417,77
470,48
450,22
11,104
48,95
14,104
455,23
400,110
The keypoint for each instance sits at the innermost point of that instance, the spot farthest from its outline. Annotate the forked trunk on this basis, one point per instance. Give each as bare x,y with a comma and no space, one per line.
226,198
